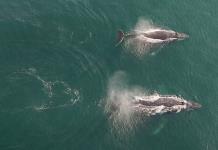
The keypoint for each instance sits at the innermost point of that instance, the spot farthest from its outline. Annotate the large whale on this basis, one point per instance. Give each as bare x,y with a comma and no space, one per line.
154,104
152,36
160,104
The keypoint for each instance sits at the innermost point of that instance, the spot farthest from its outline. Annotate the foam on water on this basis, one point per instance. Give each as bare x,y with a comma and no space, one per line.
48,85
49,89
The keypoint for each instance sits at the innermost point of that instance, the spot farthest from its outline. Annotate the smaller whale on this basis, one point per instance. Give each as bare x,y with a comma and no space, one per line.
152,36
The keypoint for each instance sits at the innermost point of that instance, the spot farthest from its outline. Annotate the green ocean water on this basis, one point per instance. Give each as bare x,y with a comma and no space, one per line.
57,56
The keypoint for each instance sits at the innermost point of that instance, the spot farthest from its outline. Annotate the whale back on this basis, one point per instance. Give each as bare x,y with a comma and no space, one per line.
160,34
169,102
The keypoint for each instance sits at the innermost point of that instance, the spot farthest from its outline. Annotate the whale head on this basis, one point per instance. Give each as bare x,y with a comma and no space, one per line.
190,105
181,36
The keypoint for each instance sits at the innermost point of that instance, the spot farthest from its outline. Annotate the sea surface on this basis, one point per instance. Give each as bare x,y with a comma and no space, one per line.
58,57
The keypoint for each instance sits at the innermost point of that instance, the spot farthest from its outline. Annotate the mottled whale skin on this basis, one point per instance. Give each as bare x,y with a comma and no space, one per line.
160,104
152,36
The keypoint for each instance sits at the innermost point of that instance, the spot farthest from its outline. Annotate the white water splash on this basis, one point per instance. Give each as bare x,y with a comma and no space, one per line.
118,104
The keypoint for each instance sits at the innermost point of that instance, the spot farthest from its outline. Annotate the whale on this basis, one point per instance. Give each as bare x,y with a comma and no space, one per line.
161,104
155,104
152,36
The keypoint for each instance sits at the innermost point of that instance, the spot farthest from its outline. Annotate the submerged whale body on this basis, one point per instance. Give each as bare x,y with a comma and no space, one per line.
160,104
152,36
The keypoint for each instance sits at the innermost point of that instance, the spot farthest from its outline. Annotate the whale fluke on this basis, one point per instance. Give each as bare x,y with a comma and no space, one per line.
120,37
